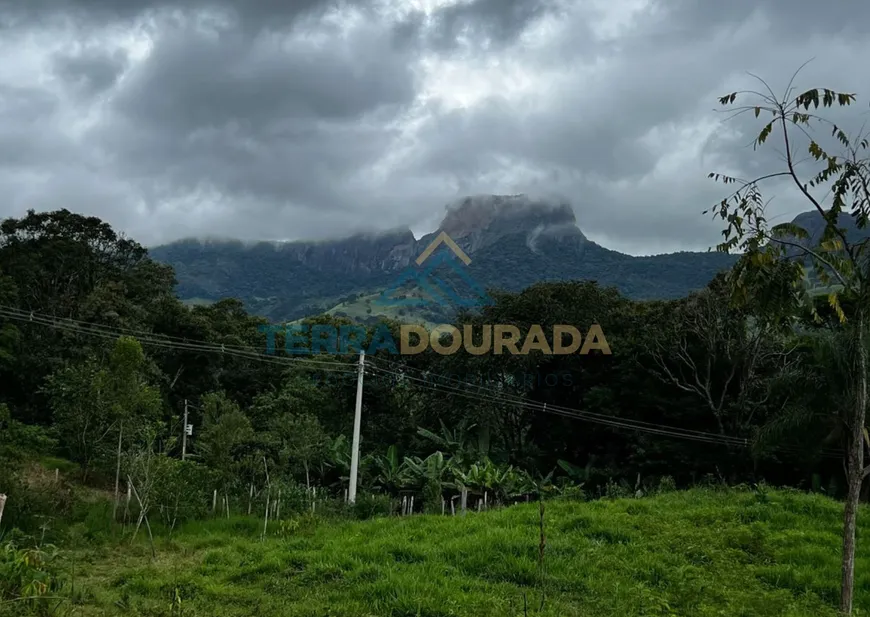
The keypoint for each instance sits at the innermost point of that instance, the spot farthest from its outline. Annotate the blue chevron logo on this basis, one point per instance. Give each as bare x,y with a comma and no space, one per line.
435,290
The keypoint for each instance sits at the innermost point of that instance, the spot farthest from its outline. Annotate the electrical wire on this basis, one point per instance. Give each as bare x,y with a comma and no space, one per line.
621,423
108,332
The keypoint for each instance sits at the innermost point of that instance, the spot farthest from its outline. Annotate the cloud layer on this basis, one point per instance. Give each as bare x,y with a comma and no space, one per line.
272,119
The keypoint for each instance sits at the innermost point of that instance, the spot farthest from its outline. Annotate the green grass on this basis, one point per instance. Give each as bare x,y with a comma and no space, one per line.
368,305
697,553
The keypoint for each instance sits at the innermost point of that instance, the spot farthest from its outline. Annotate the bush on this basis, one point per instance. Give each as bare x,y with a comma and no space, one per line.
432,496
371,505
572,492
182,491
29,576
667,485
614,490
33,497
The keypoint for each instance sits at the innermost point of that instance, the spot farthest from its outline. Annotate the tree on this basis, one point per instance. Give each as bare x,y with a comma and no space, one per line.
455,443
303,440
92,400
721,356
71,266
839,192
226,433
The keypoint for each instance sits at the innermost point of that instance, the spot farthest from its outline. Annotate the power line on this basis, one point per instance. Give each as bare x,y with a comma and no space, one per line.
126,330
589,414
111,333
646,427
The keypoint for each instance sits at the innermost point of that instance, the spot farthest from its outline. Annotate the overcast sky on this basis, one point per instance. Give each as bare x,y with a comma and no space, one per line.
286,119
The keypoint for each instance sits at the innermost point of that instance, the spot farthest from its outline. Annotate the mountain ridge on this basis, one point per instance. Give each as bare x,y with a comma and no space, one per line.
513,241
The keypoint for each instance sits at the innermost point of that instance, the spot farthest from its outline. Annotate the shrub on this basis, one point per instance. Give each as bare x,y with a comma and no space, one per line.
370,505
182,490
29,576
667,485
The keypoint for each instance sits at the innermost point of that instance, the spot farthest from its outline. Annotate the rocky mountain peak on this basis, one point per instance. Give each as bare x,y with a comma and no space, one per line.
479,212
480,220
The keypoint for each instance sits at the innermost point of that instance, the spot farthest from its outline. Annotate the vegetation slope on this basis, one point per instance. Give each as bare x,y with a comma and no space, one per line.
701,552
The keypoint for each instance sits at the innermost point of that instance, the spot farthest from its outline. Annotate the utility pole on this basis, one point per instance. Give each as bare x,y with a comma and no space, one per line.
357,417
184,434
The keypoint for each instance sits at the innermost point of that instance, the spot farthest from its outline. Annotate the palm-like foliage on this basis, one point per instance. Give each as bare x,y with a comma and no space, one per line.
433,468
456,443
391,474
503,481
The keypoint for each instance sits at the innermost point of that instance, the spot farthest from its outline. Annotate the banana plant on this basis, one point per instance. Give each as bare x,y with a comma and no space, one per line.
577,474
433,468
338,457
456,443
390,473
503,481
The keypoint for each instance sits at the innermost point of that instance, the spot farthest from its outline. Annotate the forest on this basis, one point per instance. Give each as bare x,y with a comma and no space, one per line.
748,382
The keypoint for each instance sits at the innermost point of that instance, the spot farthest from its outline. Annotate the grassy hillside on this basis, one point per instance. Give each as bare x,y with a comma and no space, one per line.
697,553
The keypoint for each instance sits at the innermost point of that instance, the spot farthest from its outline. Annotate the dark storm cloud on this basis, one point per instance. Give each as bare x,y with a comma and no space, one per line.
195,80
255,13
498,21
92,70
272,118
23,113
789,19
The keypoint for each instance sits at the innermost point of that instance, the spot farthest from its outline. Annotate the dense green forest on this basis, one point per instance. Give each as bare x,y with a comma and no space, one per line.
97,348
748,381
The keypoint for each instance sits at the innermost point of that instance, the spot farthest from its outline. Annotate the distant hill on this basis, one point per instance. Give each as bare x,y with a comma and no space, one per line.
512,241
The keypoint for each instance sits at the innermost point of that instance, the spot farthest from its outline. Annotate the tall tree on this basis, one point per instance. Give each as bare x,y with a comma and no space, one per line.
225,437
838,190
92,400
70,266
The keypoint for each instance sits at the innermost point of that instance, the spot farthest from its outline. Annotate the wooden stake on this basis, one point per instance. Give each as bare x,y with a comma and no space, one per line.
214,501
443,505
250,497
453,506
464,500
2,504
411,506
484,500
278,509
266,517
129,496
117,474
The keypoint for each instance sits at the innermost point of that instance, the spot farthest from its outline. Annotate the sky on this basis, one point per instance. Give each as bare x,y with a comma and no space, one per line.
310,119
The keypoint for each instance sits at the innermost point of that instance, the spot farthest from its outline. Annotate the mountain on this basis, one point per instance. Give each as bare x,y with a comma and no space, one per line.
512,241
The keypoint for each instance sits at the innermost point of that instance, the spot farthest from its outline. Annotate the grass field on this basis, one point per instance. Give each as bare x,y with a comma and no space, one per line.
696,553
